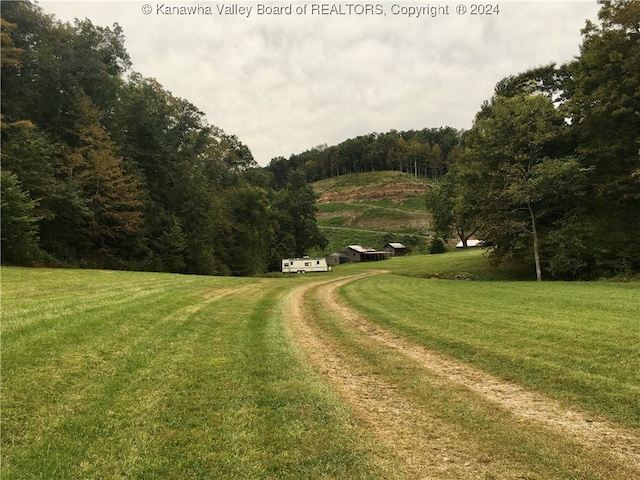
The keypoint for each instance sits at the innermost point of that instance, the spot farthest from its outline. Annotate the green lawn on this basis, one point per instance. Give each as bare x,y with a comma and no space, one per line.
471,264
578,342
146,375
141,375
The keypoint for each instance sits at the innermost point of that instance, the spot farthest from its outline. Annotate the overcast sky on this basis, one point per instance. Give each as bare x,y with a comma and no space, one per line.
286,83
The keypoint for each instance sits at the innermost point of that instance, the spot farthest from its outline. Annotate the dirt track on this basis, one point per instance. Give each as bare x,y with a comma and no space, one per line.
417,439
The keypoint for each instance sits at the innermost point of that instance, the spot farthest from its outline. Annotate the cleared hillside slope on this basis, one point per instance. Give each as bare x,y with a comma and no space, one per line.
372,209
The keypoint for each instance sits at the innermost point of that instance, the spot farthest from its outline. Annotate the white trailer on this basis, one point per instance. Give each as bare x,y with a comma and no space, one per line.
304,265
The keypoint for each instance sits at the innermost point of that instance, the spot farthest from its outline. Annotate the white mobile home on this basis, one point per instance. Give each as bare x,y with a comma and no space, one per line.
304,265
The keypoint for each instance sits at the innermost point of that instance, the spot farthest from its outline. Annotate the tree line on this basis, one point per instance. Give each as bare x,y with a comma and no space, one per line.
424,153
550,170
103,167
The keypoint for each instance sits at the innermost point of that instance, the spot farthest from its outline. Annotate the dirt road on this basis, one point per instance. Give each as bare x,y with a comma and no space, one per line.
417,442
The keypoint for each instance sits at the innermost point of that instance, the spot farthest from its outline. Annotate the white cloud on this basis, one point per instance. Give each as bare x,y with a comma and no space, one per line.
286,84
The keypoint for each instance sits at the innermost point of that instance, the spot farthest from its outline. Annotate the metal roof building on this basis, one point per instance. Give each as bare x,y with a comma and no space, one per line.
358,253
395,249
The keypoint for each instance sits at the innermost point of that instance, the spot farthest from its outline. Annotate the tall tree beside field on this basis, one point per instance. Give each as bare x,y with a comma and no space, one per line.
57,62
297,213
105,169
453,203
113,196
36,160
556,159
252,230
519,181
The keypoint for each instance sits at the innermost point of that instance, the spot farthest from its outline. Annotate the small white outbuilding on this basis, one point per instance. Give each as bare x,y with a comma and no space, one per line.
471,244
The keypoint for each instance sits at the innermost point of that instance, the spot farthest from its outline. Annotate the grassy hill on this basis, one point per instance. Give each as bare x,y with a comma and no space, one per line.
372,209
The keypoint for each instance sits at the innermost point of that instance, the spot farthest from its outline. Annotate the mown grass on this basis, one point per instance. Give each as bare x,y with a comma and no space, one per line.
460,423
576,342
469,264
134,375
143,375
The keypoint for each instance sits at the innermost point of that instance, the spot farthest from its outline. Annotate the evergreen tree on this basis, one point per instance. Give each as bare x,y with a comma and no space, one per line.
19,222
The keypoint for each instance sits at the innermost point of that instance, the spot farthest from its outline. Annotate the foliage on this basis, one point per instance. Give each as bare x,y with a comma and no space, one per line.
109,169
519,181
348,182
423,154
437,246
604,108
550,168
106,168
19,222
453,203
298,202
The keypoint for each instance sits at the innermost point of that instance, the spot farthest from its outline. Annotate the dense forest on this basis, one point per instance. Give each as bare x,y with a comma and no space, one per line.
102,167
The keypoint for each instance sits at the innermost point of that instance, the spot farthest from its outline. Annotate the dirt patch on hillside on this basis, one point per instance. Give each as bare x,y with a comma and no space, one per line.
401,424
396,192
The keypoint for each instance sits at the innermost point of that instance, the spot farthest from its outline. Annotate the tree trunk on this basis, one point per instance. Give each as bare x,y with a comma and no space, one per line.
536,246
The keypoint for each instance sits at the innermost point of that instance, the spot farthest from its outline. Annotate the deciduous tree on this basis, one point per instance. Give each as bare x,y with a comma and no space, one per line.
519,180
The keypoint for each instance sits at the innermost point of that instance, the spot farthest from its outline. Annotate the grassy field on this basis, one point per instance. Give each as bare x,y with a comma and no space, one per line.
513,327
470,264
144,375
453,432
575,342
135,375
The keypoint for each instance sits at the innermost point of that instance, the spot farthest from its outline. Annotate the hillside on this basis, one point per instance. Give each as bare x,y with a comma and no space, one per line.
372,209
370,186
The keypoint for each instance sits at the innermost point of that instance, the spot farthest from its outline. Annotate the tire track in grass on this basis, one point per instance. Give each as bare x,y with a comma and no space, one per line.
395,418
411,442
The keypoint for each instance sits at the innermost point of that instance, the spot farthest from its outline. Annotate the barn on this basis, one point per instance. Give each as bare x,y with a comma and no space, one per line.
395,249
358,253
